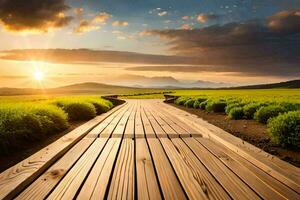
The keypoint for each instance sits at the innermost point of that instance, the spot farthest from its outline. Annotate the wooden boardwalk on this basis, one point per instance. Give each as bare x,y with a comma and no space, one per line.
145,149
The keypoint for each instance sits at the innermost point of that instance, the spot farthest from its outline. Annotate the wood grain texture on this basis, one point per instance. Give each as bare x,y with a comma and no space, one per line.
147,185
122,183
120,128
235,187
194,177
129,130
139,129
97,182
147,125
106,133
159,132
266,186
69,185
42,186
168,181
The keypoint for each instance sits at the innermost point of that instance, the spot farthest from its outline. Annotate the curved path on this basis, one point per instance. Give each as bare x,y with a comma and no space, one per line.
146,149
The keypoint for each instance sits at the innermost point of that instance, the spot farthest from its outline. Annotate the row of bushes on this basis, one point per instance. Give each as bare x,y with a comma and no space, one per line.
33,121
283,118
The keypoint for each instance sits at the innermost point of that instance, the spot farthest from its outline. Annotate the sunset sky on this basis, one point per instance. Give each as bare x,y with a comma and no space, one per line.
126,41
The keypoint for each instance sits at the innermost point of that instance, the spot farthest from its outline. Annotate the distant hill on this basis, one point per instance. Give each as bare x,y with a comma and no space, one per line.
80,88
286,84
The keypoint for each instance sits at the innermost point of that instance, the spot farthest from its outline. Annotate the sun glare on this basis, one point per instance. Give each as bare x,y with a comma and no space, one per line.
38,75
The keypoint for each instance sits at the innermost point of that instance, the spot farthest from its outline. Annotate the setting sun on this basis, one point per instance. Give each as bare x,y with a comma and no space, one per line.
38,75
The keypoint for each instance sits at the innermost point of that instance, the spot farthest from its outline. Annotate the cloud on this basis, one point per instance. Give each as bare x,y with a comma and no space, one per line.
79,11
285,21
85,26
33,15
185,17
120,23
249,70
163,13
266,46
205,17
102,18
186,27
88,56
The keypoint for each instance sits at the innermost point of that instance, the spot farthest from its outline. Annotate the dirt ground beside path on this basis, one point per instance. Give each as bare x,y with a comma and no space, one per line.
248,130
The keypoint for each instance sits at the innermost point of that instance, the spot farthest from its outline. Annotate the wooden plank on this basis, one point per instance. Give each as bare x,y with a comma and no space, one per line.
264,184
106,133
168,181
16,178
235,187
169,121
129,130
160,133
122,183
70,184
97,182
139,129
281,170
167,129
119,130
149,132
147,185
197,182
42,186
174,120
100,127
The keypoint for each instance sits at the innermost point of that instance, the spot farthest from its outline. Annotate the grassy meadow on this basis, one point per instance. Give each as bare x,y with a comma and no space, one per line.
278,108
32,118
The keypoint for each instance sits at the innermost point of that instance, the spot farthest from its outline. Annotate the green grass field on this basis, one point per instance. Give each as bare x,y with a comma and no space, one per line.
262,94
278,108
32,118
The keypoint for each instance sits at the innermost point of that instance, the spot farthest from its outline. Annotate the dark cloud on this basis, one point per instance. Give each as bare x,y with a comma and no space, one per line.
253,46
93,56
33,15
246,70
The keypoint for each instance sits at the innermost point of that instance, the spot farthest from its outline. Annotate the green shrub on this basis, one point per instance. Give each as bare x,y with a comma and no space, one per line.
289,106
236,113
285,129
201,99
100,105
77,110
216,106
181,100
263,114
28,121
250,109
196,104
52,118
231,106
203,104
189,103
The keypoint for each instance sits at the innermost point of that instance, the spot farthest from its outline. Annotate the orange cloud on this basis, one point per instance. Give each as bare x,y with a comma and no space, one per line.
203,18
85,26
102,17
79,11
120,23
